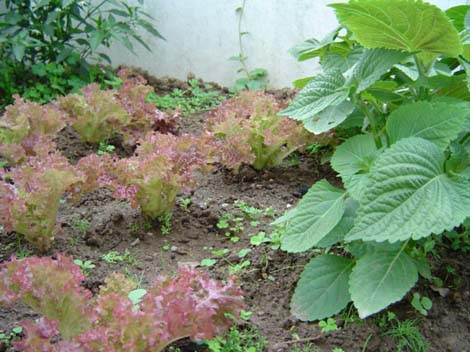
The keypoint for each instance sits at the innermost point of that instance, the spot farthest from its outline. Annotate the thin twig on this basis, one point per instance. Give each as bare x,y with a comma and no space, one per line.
307,339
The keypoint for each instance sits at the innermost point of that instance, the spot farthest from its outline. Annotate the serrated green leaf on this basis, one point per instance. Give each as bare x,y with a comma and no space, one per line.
352,160
301,82
319,211
381,278
410,195
465,35
410,70
457,16
410,25
359,249
374,63
466,67
455,86
312,47
436,122
334,60
321,92
343,227
329,118
323,288
384,91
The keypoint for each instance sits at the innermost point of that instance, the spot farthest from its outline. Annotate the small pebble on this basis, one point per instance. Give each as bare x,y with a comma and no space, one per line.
135,242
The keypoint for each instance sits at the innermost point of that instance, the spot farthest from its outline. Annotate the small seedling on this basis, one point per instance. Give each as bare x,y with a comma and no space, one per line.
86,266
81,225
185,203
328,325
232,268
21,251
7,337
294,159
105,148
238,339
421,304
314,148
245,315
166,246
137,279
384,320
165,224
407,335
134,228
349,315
252,212
237,268
190,101
261,237
221,252
115,257
232,226
244,252
208,262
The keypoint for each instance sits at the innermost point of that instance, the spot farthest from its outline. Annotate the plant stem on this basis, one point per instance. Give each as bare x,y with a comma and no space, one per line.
373,123
241,11
422,91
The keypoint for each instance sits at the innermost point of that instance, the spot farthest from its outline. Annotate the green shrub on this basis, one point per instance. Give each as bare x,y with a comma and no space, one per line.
46,46
401,74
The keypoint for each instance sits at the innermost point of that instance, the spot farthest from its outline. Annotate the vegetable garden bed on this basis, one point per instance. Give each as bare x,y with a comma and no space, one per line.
182,216
100,225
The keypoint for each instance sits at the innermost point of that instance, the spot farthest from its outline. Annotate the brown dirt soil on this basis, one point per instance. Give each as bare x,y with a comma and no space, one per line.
270,279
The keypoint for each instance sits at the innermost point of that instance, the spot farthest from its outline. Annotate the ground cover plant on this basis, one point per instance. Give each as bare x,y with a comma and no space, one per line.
403,78
196,98
185,305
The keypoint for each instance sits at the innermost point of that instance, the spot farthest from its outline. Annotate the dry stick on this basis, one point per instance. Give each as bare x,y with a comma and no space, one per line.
308,339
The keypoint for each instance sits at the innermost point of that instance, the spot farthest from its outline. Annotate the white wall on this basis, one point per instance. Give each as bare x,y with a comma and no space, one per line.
202,34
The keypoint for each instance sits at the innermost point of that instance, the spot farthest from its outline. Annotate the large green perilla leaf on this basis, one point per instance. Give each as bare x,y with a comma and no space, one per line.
380,278
323,288
311,48
373,64
410,25
352,160
437,122
323,91
458,16
410,195
343,227
329,118
319,211
323,103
